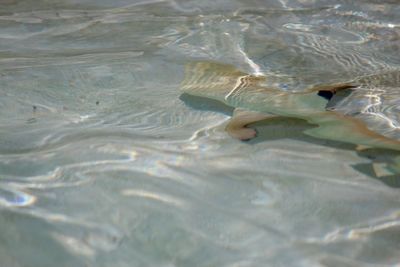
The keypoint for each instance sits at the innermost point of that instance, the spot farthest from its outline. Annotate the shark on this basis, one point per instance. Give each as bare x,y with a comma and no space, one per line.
255,98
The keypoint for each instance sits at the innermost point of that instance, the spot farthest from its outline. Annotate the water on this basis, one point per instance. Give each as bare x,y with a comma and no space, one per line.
104,162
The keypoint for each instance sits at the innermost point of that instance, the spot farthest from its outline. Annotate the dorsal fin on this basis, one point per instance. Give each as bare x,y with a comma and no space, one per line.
215,80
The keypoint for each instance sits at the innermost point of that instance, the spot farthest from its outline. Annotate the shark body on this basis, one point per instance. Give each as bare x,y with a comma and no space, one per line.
255,101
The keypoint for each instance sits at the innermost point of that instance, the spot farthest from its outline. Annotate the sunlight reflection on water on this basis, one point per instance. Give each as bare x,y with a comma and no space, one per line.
104,162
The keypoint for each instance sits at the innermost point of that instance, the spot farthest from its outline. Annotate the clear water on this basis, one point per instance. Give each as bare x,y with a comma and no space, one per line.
104,163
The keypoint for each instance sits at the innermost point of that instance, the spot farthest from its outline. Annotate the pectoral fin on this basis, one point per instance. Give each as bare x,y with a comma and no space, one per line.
237,126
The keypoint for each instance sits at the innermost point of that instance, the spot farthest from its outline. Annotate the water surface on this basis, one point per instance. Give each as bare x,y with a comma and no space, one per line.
104,163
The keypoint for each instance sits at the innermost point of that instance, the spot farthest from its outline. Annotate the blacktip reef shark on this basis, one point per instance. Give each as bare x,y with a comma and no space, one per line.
254,101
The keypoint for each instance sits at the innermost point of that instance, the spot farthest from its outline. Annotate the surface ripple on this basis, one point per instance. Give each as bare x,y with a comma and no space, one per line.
104,162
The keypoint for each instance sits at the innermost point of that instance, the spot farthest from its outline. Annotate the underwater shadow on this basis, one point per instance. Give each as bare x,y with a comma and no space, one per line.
383,165
206,104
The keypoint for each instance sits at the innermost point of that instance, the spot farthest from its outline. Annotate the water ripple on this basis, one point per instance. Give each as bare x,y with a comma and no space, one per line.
360,231
15,198
153,196
103,160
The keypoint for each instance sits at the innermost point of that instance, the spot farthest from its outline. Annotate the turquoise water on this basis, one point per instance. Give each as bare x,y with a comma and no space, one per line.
103,161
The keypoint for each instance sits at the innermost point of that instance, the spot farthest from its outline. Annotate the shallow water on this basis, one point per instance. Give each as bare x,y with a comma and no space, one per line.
104,163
